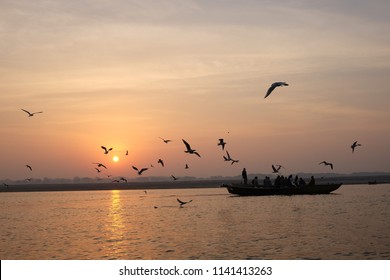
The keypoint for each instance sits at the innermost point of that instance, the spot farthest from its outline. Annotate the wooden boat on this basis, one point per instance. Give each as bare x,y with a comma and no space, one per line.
250,190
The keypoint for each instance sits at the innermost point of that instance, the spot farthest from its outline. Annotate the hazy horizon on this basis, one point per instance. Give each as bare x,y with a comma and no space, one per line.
124,74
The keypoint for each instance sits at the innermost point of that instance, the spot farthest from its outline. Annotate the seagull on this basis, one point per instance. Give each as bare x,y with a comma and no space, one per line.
189,150
31,114
106,151
186,167
327,163
115,181
98,170
28,179
273,86
174,178
123,179
139,171
276,168
228,158
99,164
221,143
183,202
127,153
161,162
165,140
354,145
29,167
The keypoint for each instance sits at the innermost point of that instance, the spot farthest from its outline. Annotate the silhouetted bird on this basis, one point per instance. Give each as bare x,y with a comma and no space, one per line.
127,153
31,114
160,161
174,178
186,167
98,170
29,167
276,168
354,145
221,143
228,158
99,164
327,163
106,151
183,202
139,171
189,149
123,179
275,85
165,140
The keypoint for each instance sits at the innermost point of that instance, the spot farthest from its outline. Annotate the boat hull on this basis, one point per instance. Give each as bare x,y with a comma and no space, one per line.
248,190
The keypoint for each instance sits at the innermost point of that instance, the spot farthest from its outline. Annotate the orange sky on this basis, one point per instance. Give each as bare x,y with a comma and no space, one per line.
122,74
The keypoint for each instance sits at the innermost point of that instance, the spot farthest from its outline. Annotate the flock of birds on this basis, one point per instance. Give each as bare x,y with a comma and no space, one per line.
188,149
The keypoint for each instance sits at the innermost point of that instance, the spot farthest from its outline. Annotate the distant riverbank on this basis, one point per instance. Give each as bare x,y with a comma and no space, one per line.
33,187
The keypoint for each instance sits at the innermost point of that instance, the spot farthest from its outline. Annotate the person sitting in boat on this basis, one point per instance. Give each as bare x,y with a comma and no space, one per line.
312,181
278,181
255,182
301,182
296,180
288,181
267,181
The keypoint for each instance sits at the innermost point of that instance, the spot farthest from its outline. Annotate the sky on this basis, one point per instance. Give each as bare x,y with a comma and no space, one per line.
124,73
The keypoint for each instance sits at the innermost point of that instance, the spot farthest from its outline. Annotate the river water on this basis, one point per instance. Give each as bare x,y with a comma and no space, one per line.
352,223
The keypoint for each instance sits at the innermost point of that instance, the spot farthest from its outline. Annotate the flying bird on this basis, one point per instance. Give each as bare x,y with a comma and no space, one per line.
186,167
354,145
276,168
139,171
100,164
29,167
98,170
106,151
31,114
127,153
189,149
174,178
123,179
160,161
183,202
165,140
221,143
327,163
275,85
228,158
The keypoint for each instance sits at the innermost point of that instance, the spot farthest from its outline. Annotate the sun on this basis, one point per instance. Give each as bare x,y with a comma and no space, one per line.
115,158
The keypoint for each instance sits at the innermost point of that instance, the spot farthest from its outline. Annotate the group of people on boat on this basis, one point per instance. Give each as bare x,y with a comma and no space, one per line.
280,181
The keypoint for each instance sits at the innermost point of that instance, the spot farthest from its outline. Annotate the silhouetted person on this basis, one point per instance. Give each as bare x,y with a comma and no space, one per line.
267,181
312,181
244,176
255,182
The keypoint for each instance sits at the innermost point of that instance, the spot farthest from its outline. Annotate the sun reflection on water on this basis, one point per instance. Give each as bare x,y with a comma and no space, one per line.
116,226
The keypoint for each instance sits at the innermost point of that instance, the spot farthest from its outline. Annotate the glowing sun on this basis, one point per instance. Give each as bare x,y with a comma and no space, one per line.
115,158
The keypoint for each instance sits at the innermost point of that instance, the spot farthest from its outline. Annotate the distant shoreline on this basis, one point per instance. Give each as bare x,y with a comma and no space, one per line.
188,184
